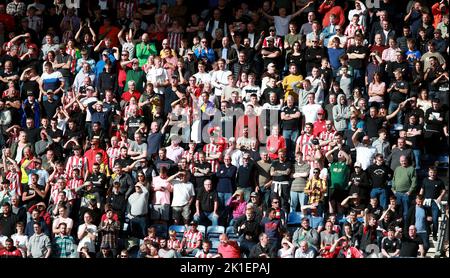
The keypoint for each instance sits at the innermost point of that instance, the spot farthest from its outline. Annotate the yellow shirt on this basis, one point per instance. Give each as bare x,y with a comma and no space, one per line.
287,81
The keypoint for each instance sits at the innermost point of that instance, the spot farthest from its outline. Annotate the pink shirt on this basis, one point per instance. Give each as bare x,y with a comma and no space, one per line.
237,206
162,189
377,88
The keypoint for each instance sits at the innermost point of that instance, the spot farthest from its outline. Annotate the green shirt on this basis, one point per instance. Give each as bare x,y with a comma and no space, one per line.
339,173
404,179
138,76
143,51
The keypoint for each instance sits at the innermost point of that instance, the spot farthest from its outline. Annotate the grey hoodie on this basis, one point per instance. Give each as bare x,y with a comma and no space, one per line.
341,114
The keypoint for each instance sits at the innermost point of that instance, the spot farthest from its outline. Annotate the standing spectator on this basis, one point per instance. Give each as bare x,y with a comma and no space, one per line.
404,184
433,190
63,243
39,244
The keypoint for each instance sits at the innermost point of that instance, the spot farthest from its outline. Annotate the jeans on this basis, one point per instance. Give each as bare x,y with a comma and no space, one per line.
296,199
382,194
290,136
264,194
138,226
426,240
207,215
358,78
435,215
392,107
403,200
223,198
417,158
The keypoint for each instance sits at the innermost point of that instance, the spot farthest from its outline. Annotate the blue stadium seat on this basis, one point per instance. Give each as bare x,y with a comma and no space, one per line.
294,218
231,233
202,229
161,230
215,231
179,229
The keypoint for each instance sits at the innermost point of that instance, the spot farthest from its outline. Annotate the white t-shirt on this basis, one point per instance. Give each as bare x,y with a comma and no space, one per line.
182,192
365,155
282,24
86,240
155,75
310,112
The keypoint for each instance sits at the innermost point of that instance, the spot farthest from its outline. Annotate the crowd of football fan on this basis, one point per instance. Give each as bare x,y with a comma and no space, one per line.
222,128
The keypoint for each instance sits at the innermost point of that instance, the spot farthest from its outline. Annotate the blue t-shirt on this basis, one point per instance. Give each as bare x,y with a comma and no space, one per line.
420,220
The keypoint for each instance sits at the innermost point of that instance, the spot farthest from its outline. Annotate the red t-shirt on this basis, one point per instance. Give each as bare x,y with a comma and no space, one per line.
230,251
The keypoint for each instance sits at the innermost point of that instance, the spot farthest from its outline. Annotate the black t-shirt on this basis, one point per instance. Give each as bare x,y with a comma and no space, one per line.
33,134
124,162
293,123
396,96
379,175
245,175
36,199
271,60
376,211
415,140
99,180
281,166
50,107
410,246
373,125
357,63
432,188
390,245
133,126
168,163
55,134
206,199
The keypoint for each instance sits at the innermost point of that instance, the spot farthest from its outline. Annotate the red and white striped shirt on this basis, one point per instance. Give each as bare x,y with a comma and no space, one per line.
15,186
350,33
212,149
55,195
191,239
113,154
130,7
174,40
326,136
74,184
303,141
173,243
75,162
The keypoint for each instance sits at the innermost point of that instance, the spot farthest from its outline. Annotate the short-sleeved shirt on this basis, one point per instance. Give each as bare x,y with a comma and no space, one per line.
396,96
293,123
281,166
339,175
432,188
206,199
390,245
410,246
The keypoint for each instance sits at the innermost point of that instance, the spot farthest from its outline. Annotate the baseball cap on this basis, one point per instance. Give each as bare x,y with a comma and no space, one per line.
105,52
193,223
321,111
49,91
358,164
174,76
30,93
190,51
272,28
254,194
90,88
